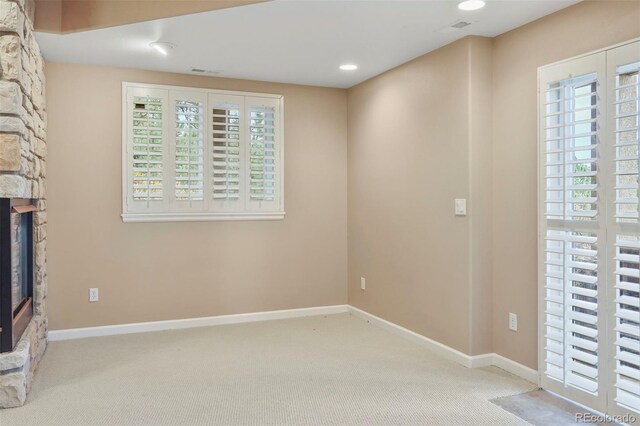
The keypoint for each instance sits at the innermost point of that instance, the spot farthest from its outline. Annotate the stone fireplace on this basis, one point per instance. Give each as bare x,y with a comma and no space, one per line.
22,175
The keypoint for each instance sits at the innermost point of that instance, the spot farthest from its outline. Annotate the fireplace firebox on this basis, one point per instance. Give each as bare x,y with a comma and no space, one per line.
16,269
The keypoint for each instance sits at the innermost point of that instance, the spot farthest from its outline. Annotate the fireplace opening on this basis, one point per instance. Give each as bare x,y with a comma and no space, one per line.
16,269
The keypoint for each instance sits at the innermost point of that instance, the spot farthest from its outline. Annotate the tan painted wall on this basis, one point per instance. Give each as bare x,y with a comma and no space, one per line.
162,271
579,29
460,122
408,161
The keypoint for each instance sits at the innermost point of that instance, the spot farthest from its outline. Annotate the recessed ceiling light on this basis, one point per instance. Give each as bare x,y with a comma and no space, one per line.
162,47
471,5
348,67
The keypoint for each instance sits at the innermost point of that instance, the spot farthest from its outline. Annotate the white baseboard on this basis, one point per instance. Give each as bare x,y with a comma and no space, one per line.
434,346
479,361
141,327
516,368
469,361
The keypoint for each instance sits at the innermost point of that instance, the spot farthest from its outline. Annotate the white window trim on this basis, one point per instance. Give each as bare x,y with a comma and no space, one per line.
198,216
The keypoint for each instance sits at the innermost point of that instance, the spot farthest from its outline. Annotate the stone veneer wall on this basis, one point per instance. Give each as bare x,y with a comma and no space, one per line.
22,174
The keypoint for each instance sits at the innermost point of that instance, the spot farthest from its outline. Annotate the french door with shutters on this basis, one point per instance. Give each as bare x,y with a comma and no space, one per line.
589,229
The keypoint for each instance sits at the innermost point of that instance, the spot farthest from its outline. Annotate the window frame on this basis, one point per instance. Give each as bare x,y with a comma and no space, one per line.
273,210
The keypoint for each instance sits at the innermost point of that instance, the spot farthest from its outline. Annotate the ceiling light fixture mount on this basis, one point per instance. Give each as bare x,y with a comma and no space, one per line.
471,5
348,67
162,47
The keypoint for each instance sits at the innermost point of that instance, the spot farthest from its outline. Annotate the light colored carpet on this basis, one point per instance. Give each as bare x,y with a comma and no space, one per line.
336,369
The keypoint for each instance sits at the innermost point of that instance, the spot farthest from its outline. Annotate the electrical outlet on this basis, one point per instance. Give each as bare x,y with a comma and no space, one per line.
513,322
93,295
363,284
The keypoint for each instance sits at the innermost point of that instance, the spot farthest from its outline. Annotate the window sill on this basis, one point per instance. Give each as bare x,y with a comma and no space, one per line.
199,217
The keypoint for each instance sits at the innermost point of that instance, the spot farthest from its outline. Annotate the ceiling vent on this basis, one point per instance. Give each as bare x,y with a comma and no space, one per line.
455,26
460,24
203,71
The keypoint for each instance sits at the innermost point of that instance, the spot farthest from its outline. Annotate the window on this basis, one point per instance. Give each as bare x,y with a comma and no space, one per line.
589,246
199,154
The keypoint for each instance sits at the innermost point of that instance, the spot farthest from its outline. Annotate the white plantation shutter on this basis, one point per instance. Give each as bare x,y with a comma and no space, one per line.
571,167
623,64
571,150
627,321
147,150
226,150
572,233
198,154
589,224
188,150
571,309
263,115
626,112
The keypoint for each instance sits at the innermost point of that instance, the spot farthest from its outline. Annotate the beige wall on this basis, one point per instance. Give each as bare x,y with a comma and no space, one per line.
408,161
516,56
460,122
162,271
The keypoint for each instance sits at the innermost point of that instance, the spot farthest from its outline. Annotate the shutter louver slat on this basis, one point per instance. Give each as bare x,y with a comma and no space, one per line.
587,384
147,156
555,359
629,372
585,370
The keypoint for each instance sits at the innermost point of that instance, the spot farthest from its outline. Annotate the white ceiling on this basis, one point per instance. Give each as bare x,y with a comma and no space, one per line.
294,41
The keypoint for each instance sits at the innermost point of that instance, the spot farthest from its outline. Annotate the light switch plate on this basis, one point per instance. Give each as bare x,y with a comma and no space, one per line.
513,322
93,295
461,206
